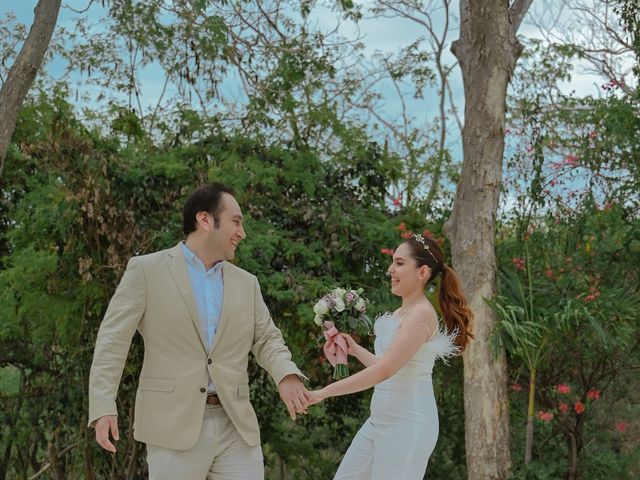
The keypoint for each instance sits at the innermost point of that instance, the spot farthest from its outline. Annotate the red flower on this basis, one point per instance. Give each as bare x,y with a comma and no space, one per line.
386,251
545,416
563,407
427,233
402,227
518,263
549,274
516,387
563,389
593,394
397,201
621,426
579,407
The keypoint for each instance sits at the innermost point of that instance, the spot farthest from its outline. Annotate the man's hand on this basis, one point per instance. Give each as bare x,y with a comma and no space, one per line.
293,394
104,426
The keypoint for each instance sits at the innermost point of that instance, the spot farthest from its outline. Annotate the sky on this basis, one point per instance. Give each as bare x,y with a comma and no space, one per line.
385,35
378,35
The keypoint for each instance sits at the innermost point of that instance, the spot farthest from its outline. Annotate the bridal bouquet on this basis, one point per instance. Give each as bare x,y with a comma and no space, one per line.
340,310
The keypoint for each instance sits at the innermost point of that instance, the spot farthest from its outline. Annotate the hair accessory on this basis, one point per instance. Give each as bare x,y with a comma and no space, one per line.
420,239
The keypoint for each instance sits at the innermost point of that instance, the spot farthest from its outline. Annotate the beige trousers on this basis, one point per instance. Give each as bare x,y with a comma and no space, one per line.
219,454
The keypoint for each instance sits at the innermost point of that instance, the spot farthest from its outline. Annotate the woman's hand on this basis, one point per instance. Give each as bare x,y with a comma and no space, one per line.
316,396
352,345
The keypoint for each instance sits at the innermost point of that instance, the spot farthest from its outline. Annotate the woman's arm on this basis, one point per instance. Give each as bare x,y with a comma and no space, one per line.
356,350
415,330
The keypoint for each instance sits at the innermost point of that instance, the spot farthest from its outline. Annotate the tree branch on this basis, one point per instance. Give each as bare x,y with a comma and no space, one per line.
517,11
24,70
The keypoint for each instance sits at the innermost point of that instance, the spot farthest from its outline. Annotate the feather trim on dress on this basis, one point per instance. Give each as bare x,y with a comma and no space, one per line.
442,343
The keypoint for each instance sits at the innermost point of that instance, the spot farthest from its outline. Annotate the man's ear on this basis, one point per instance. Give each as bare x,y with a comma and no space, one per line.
203,220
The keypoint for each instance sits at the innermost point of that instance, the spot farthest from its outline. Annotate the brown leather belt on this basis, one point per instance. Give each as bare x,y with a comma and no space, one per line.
212,399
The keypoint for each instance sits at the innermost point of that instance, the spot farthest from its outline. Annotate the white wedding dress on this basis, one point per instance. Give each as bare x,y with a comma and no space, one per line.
396,441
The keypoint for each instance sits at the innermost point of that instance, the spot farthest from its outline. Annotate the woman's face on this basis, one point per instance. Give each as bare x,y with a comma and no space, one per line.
405,274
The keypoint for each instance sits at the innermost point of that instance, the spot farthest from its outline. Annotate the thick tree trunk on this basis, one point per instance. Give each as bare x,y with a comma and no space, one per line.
23,71
487,51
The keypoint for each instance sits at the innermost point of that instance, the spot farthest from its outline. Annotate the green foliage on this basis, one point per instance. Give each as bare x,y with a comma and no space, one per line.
575,302
79,204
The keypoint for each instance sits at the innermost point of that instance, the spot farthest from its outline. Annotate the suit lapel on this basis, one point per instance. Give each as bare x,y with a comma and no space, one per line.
178,268
228,300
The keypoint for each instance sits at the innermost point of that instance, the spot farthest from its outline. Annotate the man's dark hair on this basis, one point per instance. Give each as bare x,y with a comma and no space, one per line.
207,198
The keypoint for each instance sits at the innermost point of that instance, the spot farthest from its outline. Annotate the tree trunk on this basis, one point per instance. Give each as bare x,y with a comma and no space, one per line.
573,457
528,446
487,51
23,71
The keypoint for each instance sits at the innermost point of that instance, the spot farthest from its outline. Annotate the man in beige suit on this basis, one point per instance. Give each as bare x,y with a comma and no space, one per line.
199,316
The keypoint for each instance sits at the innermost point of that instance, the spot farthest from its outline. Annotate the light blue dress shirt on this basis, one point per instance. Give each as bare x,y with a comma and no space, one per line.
208,290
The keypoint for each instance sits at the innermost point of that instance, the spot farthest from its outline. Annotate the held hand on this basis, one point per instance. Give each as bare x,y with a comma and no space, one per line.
316,396
104,426
293,395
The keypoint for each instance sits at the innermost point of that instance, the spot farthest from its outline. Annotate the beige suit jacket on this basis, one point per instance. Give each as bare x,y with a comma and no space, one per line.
155,298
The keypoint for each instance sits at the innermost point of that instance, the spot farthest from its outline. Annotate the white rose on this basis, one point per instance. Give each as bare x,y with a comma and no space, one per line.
339,292
360,305
321,307
318,320
339,304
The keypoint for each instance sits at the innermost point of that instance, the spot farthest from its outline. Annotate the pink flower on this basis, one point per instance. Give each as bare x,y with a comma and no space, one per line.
571,160
386,251
397,201
516,387
589,298
579,407
549,274
593,394
621,426
427,233
545,416
402,227
563,407
563,389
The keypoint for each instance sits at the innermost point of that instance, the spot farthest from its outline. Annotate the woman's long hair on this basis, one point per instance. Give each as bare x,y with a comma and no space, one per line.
453,304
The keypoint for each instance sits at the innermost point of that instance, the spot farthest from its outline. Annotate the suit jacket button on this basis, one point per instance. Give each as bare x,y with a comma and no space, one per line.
209,361
203,390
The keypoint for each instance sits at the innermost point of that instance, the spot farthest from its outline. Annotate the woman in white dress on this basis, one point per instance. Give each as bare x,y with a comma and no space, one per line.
396,441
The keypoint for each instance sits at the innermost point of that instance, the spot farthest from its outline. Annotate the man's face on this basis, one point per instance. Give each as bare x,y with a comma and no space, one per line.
229,232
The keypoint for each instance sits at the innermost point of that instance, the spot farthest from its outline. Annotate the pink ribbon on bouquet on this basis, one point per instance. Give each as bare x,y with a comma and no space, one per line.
335,348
